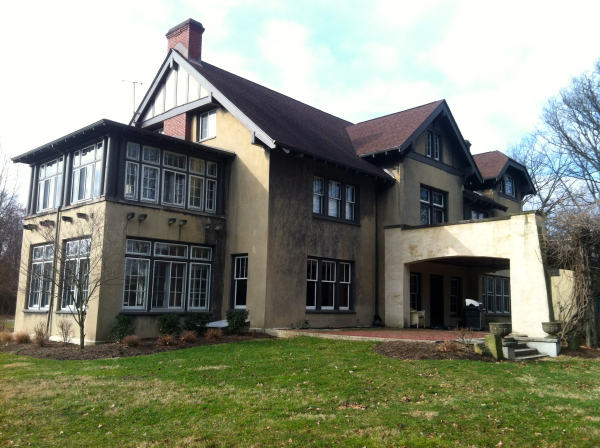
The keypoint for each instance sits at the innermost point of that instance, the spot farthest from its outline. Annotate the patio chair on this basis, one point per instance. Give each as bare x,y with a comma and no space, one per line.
416,316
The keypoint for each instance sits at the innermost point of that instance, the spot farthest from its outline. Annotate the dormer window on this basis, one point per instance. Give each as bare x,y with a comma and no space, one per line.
507,186
434,145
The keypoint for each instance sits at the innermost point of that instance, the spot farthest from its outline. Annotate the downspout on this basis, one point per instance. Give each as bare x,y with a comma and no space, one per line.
377,320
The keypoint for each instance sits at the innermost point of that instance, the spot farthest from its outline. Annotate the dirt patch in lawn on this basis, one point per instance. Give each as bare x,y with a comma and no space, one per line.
55,350
424,350
583,352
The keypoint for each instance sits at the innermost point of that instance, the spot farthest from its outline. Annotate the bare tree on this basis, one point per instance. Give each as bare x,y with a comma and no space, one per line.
83,261
573,243
11,234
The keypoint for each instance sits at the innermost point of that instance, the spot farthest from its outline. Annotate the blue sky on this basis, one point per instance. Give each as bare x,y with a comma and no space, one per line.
496,63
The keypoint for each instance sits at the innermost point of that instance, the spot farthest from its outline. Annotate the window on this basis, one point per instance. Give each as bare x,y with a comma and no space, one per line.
433,206
434,145
49,185
240,281
455,295
172,284
173,188
207,125
200,184
507,186
131,180
328,285
341,199
475,214
415,292
87,173
40,275
150,180
496,294
76,274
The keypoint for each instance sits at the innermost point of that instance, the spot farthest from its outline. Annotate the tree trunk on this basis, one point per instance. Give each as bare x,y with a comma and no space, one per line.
81,337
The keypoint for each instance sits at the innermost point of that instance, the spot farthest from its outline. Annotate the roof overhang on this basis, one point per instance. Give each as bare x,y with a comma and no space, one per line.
482,200
104,127
510,163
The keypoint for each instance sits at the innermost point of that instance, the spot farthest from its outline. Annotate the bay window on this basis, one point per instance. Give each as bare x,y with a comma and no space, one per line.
87,173
173,188
329,285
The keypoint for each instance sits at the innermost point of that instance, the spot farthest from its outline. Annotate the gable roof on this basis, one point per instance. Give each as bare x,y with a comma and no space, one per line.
389,131
493,165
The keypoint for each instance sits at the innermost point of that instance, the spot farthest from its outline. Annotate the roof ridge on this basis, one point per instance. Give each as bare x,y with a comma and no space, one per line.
399,112
489,152
272,90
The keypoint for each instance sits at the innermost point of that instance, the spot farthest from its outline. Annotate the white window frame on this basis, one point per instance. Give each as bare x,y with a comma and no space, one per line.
55,185
130,252
146,149
192,257
78,258
189,304
167,291
337,201
202,189
312,282
176,173
47,258
237,279
429,144
142,178
349,203
437,146
317,195
347,282
185,246
132,151
133,196
179,156
334,264
146,284
211,125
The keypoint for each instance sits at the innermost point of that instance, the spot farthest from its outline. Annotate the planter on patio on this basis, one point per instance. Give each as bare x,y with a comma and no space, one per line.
551,328
500,329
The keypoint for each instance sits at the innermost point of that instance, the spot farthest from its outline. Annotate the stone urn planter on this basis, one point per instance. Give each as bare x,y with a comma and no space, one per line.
500,329
551,328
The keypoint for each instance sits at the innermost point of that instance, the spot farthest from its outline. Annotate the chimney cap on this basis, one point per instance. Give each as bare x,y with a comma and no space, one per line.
190,22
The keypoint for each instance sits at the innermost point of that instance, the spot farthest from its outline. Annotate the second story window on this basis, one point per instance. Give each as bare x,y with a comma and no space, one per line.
49,185
433,206
507,186
334,199
434,145
87,173
207,125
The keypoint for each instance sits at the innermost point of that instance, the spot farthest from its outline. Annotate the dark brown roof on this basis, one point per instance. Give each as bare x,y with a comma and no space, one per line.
491,163
287,121
389,131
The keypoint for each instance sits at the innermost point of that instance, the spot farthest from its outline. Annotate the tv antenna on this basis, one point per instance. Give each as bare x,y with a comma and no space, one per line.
133,83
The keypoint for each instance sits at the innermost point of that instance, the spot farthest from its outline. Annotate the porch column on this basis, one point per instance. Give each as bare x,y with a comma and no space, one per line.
397,290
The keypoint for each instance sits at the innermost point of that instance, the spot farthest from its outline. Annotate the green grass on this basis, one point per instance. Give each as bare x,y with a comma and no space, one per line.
288,392
10,325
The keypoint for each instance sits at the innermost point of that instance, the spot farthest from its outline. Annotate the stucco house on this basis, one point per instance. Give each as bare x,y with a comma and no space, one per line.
229,195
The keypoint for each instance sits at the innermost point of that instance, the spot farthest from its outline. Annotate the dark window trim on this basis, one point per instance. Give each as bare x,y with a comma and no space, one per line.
157,311
496,313
431,205
325,208
459,297
232,284
419,292
335,310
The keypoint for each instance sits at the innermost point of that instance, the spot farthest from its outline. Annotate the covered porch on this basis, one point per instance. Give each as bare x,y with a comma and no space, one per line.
497,261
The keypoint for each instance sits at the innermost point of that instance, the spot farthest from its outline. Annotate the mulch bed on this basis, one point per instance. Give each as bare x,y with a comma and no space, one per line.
583,352
55,350
425,350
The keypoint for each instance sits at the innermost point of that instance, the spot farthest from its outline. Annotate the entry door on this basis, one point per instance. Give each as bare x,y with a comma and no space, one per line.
436,300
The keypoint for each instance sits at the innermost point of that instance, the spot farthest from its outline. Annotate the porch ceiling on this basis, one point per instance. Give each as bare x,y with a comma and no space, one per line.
475,262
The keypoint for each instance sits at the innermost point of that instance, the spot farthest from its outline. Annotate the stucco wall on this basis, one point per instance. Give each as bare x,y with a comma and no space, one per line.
562,286
294,235
515,238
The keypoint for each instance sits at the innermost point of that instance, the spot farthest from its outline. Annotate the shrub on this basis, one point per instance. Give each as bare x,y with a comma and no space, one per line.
236,320
449,346
464,335
214,334
22,338
167,340
65,328
168,324
189,336
6,336
196,322
122,326
40,335
131,341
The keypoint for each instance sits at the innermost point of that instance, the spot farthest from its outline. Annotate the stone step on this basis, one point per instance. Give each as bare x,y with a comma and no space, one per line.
528,358
521,345
526,352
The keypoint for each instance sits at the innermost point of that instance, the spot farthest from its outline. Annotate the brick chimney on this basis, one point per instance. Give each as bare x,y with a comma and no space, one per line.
187,39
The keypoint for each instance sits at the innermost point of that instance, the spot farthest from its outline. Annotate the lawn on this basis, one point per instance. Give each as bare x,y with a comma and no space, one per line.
297,392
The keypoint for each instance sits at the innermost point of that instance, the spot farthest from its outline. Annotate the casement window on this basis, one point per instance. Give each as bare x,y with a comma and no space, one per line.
415,291
40,275
195,182
455,295
433,206
507,186
174,276
207,125
173,188
87,173
240,281
329,285
475,214
434,145
334,199
496,294
49,184
76,274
